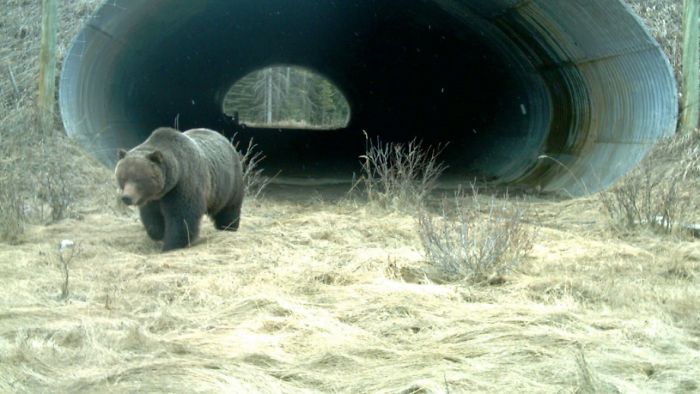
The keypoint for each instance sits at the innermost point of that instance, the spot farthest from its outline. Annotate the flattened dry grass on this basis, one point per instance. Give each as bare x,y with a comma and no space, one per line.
313,296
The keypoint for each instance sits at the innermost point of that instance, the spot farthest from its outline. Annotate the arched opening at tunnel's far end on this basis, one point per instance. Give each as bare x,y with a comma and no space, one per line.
284,97
503,82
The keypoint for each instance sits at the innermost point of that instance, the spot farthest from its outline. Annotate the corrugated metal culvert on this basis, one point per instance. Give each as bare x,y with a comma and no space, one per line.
568,95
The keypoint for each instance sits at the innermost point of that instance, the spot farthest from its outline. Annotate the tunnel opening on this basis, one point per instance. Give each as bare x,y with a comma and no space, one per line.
282,97
503,82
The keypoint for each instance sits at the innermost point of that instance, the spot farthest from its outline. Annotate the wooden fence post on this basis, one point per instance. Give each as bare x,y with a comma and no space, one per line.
47,65
690,101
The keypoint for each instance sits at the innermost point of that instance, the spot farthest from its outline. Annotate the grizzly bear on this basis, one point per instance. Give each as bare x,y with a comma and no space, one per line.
174,178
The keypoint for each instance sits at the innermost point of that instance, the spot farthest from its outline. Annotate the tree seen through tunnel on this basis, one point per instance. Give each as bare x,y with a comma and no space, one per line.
287,97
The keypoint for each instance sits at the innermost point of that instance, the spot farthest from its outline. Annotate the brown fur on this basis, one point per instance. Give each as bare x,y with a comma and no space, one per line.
175,178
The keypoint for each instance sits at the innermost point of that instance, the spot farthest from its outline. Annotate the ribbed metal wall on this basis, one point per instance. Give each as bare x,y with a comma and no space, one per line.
589,89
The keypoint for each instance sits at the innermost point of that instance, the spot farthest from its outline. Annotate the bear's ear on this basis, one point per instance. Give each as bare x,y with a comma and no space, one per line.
121,153
156,156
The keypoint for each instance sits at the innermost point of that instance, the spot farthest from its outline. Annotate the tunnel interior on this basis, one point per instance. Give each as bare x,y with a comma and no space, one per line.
504,83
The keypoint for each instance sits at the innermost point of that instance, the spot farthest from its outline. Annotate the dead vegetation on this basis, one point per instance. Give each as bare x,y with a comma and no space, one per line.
399,175
317,296
67,251
663,18
42,177
476,240
254,180
660,194
302,299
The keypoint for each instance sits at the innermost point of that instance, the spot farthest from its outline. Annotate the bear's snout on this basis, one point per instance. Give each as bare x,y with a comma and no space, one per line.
130,194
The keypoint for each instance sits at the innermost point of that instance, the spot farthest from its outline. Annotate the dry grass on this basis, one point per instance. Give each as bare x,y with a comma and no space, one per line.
20,31
254,180
321,297
663,18
314,296
661,193
42,177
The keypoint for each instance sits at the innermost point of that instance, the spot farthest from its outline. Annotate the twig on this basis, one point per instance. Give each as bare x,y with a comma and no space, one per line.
65,260
12,79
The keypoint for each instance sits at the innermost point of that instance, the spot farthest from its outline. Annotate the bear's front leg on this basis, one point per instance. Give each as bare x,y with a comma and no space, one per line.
152,219
182,218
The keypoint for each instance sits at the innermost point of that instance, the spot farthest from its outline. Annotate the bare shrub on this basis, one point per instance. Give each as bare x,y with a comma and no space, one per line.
67,250
15,180
254,180
658,193
43,175
643,199
11,218
399,175
35,182
475,241
55,191
51,182
687,145
11,200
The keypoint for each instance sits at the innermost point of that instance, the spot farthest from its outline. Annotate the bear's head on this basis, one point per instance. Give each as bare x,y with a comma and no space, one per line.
140,176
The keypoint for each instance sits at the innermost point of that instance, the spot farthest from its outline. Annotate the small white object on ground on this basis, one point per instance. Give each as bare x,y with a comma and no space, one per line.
65,244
